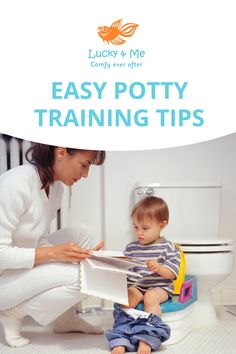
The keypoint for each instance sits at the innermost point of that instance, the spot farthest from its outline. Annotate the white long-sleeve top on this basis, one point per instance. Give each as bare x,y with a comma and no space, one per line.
25,216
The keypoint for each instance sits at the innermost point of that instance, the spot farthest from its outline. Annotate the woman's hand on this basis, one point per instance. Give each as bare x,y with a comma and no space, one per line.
99,246
67,252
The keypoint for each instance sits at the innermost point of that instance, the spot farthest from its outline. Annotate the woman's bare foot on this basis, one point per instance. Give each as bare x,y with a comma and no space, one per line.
144,348
118,350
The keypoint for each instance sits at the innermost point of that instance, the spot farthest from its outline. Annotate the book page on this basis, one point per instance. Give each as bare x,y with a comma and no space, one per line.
121,264
105,275
107,253
112,267
104,284
117,259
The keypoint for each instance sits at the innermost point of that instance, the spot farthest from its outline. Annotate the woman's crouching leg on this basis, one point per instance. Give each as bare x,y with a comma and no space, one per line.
77,233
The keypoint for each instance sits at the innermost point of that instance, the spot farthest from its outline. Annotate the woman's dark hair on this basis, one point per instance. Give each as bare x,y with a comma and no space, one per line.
43,156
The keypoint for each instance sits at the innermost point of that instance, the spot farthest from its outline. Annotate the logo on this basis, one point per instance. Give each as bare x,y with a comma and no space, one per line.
116,31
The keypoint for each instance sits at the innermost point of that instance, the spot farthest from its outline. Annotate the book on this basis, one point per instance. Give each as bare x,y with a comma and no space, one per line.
231,309
105,275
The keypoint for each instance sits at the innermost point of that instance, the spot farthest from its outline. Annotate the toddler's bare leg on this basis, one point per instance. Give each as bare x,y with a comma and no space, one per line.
153,298
135,297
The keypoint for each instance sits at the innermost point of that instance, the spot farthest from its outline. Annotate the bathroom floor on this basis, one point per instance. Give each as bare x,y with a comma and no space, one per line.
217,339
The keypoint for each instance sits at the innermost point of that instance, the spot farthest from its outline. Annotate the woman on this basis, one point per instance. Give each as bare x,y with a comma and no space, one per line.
40,277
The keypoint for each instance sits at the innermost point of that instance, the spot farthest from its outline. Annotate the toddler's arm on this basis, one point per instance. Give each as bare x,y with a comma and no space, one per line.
160,269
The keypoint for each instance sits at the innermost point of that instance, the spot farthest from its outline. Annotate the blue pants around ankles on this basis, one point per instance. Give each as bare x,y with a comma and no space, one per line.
127,331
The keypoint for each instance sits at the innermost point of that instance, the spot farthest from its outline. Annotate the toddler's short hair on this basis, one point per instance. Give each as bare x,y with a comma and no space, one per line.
151,208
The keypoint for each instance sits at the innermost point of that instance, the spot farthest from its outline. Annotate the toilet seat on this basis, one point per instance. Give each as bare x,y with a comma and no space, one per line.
206,246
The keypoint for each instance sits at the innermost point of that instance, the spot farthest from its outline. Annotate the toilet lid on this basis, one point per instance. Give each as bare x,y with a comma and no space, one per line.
202,246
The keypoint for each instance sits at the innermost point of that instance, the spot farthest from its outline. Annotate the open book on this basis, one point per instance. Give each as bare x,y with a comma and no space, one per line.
105,275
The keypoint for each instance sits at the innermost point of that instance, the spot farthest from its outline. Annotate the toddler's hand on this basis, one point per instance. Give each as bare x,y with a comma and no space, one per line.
153,266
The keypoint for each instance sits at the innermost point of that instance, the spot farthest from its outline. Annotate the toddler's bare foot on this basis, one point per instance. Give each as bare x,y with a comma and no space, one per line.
118,350
144,348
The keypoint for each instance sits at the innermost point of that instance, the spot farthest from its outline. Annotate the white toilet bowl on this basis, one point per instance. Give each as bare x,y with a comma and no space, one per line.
211,261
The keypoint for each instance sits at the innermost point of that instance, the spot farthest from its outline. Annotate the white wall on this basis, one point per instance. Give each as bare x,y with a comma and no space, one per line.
213,160
86,202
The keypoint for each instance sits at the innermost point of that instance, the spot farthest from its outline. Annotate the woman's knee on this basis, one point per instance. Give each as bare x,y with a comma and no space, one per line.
77,233
20,285
81,234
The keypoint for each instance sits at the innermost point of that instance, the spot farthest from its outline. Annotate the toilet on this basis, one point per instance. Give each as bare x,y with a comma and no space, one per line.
194,225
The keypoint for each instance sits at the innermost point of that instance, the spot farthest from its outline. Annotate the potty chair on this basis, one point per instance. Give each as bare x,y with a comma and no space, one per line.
177,312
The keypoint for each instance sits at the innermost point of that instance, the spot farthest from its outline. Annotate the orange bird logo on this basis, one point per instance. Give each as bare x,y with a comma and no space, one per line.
116,31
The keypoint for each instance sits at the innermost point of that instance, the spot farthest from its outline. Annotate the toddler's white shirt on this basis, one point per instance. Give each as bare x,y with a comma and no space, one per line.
25,216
